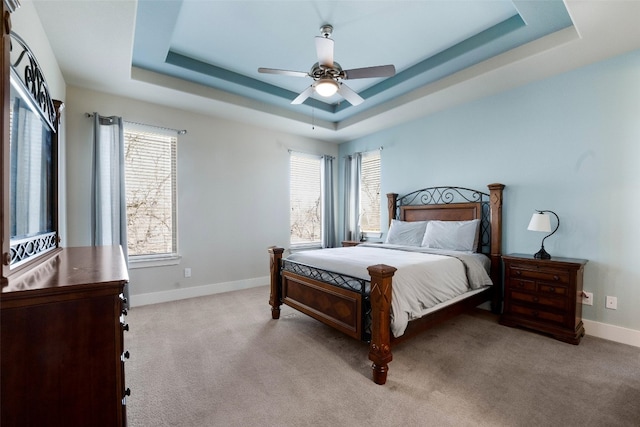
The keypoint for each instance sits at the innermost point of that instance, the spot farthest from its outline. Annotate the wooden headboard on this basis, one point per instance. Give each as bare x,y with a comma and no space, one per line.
457,204
446,212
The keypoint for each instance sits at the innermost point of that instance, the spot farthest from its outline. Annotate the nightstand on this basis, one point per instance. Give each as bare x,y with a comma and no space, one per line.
544,295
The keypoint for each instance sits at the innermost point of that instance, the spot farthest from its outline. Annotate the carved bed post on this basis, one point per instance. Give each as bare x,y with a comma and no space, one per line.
495,203
380,297
275,299
392,200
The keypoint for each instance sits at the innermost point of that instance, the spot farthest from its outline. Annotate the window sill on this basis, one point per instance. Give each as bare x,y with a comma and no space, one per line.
153,261
372,234
303,247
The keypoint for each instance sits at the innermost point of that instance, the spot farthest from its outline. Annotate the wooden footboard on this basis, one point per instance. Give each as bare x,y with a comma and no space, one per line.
334,306
339,308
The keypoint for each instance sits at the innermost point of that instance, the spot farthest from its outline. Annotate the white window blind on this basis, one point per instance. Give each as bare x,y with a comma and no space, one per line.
370,192
150,177
306,200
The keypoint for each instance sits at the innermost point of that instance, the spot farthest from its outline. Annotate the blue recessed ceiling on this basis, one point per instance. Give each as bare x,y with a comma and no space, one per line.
221,44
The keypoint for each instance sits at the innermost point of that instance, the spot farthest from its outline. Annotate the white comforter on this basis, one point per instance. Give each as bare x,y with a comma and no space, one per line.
423,278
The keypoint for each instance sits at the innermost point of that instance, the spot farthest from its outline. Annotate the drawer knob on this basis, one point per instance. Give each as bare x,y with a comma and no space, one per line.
518,272
125,326
556,278
125,355
127,392
124,311
552,289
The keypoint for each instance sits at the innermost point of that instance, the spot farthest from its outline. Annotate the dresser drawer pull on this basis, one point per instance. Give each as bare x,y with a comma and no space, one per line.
518,272
552,289
556,278
125,326
124,356
127,392
124,312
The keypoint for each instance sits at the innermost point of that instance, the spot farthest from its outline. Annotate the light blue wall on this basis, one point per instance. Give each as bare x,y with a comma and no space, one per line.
570,143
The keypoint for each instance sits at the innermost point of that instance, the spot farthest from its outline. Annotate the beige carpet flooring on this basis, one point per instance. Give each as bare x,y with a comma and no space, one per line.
221,360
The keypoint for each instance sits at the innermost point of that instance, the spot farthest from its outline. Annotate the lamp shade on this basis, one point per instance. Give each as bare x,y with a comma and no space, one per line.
540,222
326,87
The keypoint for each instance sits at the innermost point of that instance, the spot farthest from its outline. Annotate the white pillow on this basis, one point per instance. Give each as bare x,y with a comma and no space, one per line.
452,235
407,233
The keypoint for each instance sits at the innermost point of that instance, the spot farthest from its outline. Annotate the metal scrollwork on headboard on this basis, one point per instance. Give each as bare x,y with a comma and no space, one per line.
441,195
24,63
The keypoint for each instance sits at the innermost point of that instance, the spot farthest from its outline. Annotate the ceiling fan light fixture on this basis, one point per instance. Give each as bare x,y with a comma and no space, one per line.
326,87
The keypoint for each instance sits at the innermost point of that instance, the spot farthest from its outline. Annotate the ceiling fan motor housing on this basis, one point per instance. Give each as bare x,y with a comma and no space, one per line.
320,71
326,30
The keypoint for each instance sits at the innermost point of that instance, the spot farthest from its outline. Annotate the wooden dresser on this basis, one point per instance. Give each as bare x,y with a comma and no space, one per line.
61,328
544,295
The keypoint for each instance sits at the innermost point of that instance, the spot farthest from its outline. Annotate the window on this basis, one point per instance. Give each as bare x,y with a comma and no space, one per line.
306,200
150,176
370,192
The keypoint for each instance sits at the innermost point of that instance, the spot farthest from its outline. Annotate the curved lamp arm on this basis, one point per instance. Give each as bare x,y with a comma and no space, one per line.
557,224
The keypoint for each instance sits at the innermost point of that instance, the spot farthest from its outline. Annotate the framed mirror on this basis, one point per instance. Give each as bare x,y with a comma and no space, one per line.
32,167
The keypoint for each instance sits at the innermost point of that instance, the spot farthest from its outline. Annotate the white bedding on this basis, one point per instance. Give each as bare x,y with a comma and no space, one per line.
424,277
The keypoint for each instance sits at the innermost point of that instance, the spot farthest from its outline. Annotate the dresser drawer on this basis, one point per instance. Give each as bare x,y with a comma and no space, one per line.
543,300
547,275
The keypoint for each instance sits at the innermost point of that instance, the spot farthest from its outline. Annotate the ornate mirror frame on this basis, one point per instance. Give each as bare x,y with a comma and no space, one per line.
28,236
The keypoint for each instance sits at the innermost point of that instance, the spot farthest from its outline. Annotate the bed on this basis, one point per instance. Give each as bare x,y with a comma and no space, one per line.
337,293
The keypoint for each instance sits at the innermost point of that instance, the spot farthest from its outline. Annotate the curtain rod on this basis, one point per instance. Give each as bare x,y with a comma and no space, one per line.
362,152
178,131
304,153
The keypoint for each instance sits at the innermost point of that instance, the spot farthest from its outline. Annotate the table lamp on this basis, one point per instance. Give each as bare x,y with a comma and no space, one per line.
540,221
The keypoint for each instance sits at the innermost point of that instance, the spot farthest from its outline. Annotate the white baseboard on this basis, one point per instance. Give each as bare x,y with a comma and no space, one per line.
612,332
195,291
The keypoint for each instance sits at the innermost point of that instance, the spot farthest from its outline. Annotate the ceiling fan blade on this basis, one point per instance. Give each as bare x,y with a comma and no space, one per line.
324,49
282,72
368,72
347,93
303,96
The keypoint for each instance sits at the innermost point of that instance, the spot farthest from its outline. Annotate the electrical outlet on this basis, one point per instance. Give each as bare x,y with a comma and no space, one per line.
612,303
187,272
587,298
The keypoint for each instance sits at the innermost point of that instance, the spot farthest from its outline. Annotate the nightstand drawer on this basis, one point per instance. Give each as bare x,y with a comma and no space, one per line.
547,301
538,314
553,289
548,275
527,285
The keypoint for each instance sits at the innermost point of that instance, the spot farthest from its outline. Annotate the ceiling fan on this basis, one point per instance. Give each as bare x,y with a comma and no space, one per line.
328,75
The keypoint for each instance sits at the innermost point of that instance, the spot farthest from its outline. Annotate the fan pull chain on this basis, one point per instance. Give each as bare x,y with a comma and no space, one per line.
313,118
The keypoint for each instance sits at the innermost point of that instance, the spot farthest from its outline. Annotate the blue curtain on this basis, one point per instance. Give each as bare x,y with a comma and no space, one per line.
353,165
328,206
109,205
